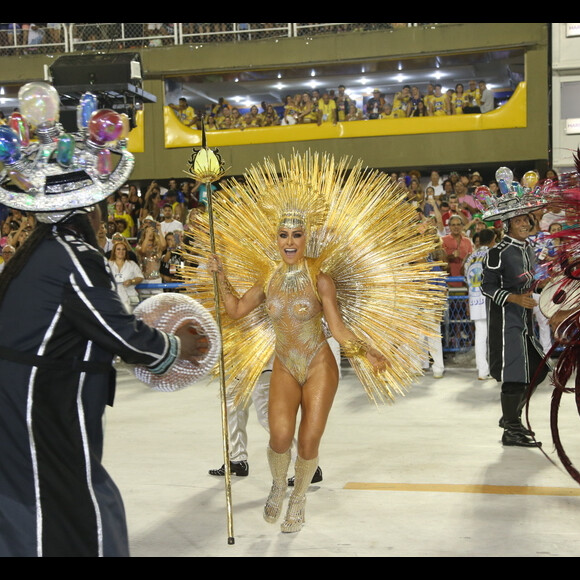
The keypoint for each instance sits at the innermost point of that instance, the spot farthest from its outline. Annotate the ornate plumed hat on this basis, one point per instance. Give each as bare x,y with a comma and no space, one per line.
515,199
57,174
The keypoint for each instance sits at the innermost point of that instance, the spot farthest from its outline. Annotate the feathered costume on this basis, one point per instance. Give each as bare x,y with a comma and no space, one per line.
562,293
360,231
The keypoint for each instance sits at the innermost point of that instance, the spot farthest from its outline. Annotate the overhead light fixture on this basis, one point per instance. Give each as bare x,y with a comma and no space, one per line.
313,84
312,73
363,81
279,86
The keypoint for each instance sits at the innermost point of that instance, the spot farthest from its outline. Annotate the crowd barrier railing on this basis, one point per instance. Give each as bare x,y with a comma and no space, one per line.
457,329
21,39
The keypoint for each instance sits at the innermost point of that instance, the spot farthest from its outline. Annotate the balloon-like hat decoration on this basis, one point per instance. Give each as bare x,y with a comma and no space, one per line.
515,199
58,173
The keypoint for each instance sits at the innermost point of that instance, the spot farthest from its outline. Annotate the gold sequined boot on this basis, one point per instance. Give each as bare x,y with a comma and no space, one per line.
279,463
295,516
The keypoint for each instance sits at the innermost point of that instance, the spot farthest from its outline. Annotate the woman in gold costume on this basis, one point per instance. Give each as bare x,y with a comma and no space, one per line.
304,373
301,251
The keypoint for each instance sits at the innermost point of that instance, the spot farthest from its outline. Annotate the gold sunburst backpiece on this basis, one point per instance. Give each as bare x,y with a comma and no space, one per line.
360,231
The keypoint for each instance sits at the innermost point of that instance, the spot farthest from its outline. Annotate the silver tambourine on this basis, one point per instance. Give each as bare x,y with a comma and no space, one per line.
168,312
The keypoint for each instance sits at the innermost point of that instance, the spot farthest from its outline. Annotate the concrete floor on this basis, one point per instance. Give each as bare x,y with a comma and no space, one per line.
425,477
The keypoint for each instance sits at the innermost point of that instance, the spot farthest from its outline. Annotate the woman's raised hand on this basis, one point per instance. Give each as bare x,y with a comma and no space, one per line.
214,264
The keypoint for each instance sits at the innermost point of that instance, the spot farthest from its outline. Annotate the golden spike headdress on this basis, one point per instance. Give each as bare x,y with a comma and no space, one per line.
360,231
292,196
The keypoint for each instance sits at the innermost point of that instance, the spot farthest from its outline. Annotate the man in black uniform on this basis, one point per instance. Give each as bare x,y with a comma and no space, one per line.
61,324
514,352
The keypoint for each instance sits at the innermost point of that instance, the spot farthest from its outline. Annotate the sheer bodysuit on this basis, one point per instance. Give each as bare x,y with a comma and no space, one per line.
296,314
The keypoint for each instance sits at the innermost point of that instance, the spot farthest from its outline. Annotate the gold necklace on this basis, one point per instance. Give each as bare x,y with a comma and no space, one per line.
294,277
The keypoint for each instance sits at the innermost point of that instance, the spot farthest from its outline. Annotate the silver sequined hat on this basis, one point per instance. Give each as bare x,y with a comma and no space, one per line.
514,200
511,205
58,173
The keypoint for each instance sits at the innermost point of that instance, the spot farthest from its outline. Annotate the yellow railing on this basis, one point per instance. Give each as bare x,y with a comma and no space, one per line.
136,140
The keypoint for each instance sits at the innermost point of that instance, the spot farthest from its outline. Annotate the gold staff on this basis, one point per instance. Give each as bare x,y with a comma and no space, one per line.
206,165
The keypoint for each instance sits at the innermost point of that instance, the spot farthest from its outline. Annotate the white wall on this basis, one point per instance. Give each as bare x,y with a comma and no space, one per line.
565,94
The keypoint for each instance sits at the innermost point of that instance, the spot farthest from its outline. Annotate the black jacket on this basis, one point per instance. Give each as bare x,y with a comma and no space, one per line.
61,323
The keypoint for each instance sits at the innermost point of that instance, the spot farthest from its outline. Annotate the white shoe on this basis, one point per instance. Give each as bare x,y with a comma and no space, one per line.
486,378
437,375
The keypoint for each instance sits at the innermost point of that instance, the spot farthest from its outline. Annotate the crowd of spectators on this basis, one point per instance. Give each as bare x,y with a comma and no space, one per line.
333,106
140,234
151,220
437,197
28,38
450,205
30,35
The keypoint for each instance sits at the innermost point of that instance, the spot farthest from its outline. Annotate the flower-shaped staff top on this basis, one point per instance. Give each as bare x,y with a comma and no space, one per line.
206,164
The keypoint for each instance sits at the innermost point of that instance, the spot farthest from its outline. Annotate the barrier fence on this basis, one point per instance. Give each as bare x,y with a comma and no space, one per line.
18,39
456,328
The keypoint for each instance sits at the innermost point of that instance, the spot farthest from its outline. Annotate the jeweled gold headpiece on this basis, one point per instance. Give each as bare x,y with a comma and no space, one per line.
292,219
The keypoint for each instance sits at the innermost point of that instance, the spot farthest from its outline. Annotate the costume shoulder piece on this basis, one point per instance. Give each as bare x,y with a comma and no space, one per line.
360,232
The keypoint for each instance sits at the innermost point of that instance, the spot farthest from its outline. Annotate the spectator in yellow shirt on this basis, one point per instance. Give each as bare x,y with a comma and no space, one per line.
121,214
386,111
459,100
327,109
401,102
439,105
429,96
184,112
473,97
216,109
